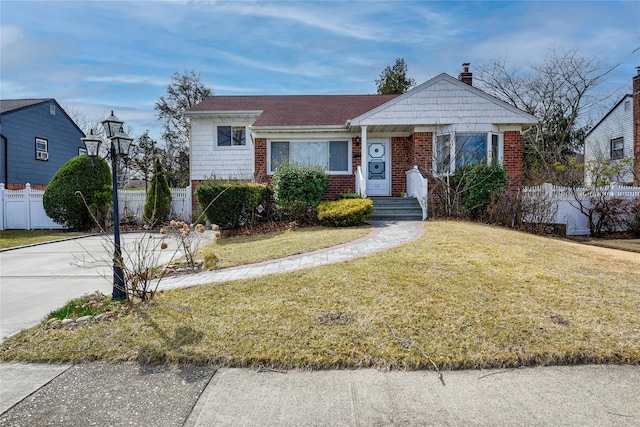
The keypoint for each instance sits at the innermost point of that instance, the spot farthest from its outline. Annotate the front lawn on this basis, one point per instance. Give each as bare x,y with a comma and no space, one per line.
13,238
247,249
632,245
463,296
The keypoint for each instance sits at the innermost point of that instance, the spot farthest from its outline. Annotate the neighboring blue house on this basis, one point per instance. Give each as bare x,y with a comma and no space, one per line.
37,137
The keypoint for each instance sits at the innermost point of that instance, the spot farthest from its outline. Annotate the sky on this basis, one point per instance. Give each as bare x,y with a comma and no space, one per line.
98,56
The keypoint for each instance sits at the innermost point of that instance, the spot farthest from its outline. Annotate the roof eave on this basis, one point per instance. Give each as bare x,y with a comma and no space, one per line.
222,113
299,128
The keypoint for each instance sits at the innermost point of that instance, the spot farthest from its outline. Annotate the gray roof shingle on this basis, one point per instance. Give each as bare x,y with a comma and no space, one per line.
7,105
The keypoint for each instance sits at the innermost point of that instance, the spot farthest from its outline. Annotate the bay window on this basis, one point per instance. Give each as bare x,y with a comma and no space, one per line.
457,150
332,156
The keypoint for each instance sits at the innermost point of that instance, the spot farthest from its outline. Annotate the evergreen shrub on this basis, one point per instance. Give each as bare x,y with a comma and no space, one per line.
479,187
80,174
230,205
298,189
158,204
345,212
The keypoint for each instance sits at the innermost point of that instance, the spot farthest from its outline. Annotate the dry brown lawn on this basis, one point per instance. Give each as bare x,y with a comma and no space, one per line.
463,296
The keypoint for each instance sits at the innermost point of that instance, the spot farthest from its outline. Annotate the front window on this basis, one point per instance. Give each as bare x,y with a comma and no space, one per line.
617,148
231,136
457,150
332,156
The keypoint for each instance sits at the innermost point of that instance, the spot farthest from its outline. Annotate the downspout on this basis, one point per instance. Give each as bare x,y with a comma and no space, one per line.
5,143
253,150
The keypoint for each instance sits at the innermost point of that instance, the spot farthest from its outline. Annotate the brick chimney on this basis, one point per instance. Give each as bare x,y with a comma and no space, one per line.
636,127
465,76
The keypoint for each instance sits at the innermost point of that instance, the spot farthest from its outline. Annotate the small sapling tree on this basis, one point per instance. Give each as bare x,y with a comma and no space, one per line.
158,204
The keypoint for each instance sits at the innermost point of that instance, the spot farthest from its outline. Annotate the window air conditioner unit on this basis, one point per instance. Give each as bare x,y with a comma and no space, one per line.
42,155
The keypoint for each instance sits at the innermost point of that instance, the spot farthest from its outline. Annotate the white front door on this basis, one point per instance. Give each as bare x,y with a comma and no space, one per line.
378,167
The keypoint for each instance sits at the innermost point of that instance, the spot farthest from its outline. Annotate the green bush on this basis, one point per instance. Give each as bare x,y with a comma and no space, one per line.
230,205
298,189
80,174
479,187
158,204
101,204
345,212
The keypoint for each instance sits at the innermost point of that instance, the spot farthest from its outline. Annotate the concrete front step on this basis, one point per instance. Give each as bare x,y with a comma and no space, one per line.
396,209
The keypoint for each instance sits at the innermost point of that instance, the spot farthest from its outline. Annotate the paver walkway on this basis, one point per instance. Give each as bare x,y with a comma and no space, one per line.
384,236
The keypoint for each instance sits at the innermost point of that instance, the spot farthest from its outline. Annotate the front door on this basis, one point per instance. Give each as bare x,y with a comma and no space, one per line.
378,167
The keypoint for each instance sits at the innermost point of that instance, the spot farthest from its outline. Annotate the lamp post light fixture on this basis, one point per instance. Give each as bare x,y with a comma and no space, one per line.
120,145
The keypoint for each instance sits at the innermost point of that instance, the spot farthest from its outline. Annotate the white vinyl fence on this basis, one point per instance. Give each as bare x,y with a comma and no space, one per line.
23,209
552,204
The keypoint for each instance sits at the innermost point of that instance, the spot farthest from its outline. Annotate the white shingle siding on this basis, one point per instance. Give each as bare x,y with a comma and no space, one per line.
209,161
617,123
444,101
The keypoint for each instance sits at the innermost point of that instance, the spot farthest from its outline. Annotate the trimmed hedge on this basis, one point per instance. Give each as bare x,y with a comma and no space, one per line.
299,188
230,205
345,212
92,179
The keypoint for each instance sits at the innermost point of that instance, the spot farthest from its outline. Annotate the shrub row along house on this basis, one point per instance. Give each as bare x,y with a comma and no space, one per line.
438,126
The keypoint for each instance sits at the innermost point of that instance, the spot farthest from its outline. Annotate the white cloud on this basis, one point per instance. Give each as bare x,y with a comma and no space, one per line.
20,48
128,79
338,22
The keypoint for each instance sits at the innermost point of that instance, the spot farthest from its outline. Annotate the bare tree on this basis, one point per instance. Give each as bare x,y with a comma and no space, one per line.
557,90
595,200
145,153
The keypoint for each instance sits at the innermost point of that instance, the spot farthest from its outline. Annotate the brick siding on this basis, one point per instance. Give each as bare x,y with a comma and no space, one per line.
11,186
513,152
401,161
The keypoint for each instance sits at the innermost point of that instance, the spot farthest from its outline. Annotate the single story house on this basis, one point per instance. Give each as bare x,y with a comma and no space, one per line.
617,135
37,137
364,142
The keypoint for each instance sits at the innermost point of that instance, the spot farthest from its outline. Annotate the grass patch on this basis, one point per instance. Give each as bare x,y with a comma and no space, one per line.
632,245
14,238
89,305
467,295
241,250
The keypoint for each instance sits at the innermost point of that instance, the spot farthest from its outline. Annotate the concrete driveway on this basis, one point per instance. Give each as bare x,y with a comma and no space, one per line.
36,280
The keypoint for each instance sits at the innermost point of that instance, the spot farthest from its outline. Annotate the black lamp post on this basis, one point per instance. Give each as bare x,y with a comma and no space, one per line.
120,145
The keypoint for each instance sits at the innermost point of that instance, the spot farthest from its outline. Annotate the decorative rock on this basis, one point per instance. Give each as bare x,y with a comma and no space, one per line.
100,317
84,318
66,321
54,323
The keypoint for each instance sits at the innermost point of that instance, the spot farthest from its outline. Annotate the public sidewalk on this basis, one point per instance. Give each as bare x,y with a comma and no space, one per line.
132,395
